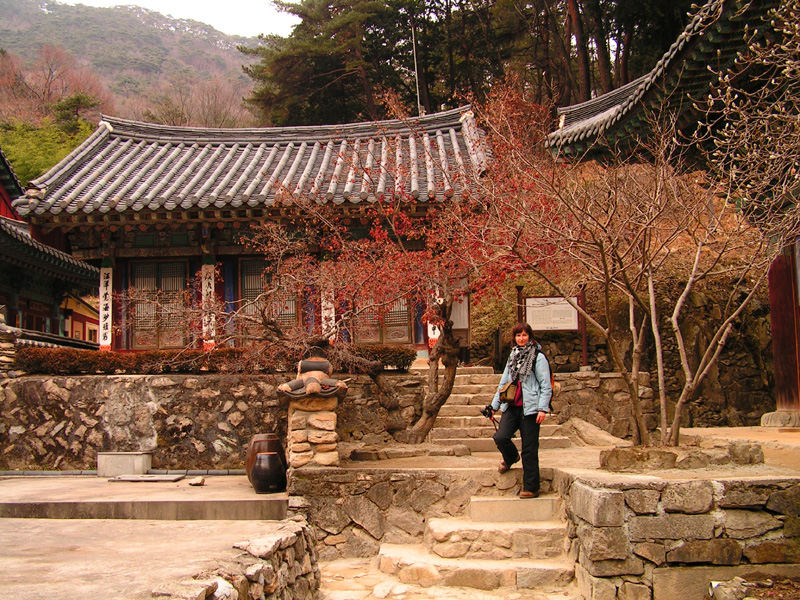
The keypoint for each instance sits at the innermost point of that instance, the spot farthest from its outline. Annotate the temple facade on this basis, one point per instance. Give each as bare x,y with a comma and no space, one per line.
154,207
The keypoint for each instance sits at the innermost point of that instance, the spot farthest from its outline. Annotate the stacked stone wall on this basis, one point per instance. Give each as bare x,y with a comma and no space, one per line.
354,511
637,538
206,421
186,421
280,565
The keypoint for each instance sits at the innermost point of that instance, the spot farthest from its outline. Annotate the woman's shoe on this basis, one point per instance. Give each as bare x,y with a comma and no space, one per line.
503,468
526,494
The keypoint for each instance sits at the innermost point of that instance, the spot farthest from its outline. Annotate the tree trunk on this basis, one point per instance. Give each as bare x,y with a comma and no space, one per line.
601,44
582,50
446,350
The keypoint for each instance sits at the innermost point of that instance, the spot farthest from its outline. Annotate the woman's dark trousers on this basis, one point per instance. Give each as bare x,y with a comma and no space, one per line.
512,421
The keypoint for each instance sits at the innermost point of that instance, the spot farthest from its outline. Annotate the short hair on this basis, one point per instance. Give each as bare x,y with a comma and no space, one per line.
519,328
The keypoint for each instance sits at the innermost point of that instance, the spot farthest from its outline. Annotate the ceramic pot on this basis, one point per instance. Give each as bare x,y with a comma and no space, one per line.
268,475
263,442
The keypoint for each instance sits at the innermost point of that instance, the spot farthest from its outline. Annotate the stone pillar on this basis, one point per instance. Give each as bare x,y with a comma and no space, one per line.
311,437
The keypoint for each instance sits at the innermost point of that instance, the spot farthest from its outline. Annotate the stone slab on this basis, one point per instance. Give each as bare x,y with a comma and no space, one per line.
692,582
221,498
152,477
112,559
501,509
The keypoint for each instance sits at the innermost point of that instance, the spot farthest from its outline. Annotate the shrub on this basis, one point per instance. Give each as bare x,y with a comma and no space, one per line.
399,357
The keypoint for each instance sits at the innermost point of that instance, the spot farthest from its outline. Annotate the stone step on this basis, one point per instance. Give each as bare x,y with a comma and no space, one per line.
470,399
487,444
474,389
503,509
459,371
492,540
477,379
460,410
475,420
414,564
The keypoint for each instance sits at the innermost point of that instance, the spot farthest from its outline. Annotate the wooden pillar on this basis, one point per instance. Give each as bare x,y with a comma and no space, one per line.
783,301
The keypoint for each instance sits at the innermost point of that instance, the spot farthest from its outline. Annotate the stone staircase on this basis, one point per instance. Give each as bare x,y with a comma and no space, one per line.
460,420
503,542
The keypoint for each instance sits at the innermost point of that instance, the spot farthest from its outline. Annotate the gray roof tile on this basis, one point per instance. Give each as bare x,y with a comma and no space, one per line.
714,37
127,166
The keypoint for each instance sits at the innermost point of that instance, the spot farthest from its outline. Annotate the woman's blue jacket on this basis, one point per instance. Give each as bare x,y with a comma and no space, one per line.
536,387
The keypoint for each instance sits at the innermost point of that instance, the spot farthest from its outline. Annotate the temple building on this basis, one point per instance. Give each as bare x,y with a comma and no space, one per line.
40,286
154,206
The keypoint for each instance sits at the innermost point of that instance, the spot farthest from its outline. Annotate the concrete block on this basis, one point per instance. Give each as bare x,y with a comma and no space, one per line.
111,464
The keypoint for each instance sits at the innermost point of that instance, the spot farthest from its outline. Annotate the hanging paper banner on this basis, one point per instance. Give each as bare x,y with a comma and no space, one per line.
328,312
209,322
105,308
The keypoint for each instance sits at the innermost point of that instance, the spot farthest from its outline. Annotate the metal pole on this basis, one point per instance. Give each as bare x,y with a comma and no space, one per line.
416,72
582,321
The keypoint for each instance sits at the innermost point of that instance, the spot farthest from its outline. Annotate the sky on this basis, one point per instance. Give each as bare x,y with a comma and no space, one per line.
234,17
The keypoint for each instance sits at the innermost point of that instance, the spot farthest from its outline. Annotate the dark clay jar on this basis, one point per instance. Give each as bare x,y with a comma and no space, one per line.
268,475
263,442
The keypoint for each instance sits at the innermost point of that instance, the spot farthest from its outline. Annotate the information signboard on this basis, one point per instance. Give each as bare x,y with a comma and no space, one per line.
551,314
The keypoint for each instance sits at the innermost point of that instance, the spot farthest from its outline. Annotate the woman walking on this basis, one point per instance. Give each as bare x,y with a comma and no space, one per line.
529,369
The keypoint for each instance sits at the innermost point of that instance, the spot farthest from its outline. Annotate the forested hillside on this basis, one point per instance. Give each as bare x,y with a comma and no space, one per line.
144,59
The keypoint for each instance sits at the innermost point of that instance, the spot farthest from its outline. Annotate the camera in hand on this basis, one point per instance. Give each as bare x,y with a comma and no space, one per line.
487,411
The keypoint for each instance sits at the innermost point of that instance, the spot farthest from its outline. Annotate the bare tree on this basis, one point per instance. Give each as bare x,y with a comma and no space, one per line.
629,230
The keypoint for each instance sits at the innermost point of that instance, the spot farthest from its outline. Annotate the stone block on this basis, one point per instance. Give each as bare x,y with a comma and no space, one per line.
600,507
594,588
774,551
632,565
112,464
422,575
365,513
326,459
744,524
746,494
785,502
672,527
322,437
603,543
655,553
692,582
634,591
715,552
323,420
642,501
480,579
690,497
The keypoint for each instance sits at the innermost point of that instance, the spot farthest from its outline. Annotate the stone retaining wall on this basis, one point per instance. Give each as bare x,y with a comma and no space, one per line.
603,400
281,565
354,511
187,421
638,537
206,421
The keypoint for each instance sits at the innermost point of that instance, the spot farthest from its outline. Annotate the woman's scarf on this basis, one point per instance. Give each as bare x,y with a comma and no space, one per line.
521,361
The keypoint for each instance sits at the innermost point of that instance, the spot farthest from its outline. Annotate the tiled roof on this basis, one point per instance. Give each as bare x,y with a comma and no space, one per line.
132,167
615,121
17,247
